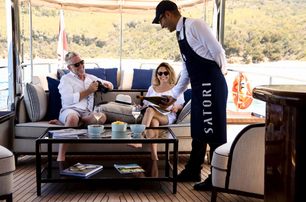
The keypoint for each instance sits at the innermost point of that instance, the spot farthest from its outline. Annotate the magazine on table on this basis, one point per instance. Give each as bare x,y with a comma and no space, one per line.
67,133
129,168
82,170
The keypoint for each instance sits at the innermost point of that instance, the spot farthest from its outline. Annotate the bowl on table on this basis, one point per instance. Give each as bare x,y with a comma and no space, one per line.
95,130
119,126
137,129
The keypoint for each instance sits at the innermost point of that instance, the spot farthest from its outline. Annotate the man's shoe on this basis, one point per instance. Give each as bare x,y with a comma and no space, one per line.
188,176
206,185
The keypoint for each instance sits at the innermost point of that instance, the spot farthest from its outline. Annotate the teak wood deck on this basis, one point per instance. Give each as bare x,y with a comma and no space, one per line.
25,188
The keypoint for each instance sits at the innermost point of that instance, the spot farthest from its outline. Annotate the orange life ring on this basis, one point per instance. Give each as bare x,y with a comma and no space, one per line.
241,91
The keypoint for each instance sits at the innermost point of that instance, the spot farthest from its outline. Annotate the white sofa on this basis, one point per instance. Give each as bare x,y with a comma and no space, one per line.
27,131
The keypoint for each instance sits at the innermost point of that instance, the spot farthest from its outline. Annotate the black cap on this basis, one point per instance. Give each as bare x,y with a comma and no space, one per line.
162,7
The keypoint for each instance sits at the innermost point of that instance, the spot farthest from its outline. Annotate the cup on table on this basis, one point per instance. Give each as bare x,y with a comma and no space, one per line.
137,129
95,130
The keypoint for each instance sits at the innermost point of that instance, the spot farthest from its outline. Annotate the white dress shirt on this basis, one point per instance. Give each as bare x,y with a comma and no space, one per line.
70,87
201,39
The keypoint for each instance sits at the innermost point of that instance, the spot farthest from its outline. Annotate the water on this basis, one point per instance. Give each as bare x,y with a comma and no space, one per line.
284,72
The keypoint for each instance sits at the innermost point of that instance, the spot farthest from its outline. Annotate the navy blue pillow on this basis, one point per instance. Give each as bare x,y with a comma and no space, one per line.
187,95
142,78
111,75
98,72
54,103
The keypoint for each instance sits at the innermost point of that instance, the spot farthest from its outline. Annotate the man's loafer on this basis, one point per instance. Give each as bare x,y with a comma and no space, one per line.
188,176
206,185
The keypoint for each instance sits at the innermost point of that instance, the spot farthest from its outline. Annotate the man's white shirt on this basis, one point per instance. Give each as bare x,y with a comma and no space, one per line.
201,39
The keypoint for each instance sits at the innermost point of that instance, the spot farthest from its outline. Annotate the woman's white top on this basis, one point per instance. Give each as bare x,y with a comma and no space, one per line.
179,101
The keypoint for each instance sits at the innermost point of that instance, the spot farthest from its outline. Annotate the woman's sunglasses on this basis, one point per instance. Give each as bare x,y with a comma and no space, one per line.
162,73
78,63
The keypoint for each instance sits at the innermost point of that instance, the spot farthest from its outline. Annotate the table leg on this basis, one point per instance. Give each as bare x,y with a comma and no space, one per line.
175,161
167,167
38,168
49,154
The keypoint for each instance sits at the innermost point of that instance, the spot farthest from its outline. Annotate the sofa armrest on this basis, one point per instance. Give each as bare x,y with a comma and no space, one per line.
184,115
21,115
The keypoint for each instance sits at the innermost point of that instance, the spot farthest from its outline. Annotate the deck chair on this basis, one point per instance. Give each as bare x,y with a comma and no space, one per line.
238,166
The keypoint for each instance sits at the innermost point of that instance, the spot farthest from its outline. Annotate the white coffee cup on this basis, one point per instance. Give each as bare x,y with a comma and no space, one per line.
95,130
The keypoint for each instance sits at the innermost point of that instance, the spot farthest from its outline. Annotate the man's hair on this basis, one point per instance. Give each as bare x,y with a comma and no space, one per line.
68,57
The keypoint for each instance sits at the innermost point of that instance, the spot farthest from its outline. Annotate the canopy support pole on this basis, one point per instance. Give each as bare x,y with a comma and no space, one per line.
31,39
218,20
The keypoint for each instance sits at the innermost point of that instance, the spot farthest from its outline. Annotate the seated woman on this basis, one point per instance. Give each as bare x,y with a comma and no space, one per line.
163,81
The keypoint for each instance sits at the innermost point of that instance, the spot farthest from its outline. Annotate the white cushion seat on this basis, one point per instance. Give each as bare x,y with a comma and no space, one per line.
238,166
7,167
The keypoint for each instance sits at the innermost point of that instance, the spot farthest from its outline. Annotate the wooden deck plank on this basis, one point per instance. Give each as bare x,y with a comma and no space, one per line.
25,189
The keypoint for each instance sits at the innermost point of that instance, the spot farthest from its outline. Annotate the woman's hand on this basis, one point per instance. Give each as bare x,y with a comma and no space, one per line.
174,109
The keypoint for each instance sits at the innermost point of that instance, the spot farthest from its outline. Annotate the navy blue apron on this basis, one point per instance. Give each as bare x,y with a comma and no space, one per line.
209,95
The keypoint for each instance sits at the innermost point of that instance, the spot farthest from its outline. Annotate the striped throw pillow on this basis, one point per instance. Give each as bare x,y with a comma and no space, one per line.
35,101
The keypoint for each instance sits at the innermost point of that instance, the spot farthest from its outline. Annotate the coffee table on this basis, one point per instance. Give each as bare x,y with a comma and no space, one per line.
167,171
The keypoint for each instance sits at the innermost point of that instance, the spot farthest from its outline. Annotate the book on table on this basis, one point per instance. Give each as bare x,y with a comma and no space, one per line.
67,133
129,168
82,170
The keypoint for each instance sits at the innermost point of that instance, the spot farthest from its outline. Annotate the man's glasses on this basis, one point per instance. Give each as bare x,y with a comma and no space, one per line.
78,63
162,73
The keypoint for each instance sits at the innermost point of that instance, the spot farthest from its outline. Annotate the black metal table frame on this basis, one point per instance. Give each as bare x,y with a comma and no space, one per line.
41,140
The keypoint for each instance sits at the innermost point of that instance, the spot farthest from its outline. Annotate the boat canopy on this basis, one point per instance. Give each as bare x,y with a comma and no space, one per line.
121,6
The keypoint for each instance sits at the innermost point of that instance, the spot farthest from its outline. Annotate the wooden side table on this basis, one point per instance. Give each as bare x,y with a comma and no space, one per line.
285,139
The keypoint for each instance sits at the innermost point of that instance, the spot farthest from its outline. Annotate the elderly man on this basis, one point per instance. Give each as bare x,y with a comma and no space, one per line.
77,94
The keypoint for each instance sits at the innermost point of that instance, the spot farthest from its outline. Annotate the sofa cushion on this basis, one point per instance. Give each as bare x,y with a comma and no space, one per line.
184,115
36,102
142,78
7,161
111,76
54,102
98,72
126,78
221,156
187,95
118,112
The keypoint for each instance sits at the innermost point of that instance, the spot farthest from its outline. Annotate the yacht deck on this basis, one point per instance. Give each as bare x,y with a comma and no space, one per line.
25,189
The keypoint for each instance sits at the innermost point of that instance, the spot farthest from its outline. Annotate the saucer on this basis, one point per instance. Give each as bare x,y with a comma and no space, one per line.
97,135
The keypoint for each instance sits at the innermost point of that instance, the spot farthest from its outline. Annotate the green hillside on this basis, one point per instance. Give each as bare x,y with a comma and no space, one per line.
255,31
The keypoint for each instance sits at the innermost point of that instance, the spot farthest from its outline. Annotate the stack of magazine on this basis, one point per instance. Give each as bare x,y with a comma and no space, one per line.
129,168
67,133
82,170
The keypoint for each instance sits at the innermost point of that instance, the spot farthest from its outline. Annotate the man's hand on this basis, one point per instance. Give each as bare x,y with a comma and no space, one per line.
93,87
107,85
167,102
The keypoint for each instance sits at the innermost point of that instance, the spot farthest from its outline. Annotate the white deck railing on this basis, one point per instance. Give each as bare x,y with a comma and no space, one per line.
256,74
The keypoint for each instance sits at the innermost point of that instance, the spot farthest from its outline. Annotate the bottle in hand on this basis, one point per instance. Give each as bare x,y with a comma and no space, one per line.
154,99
